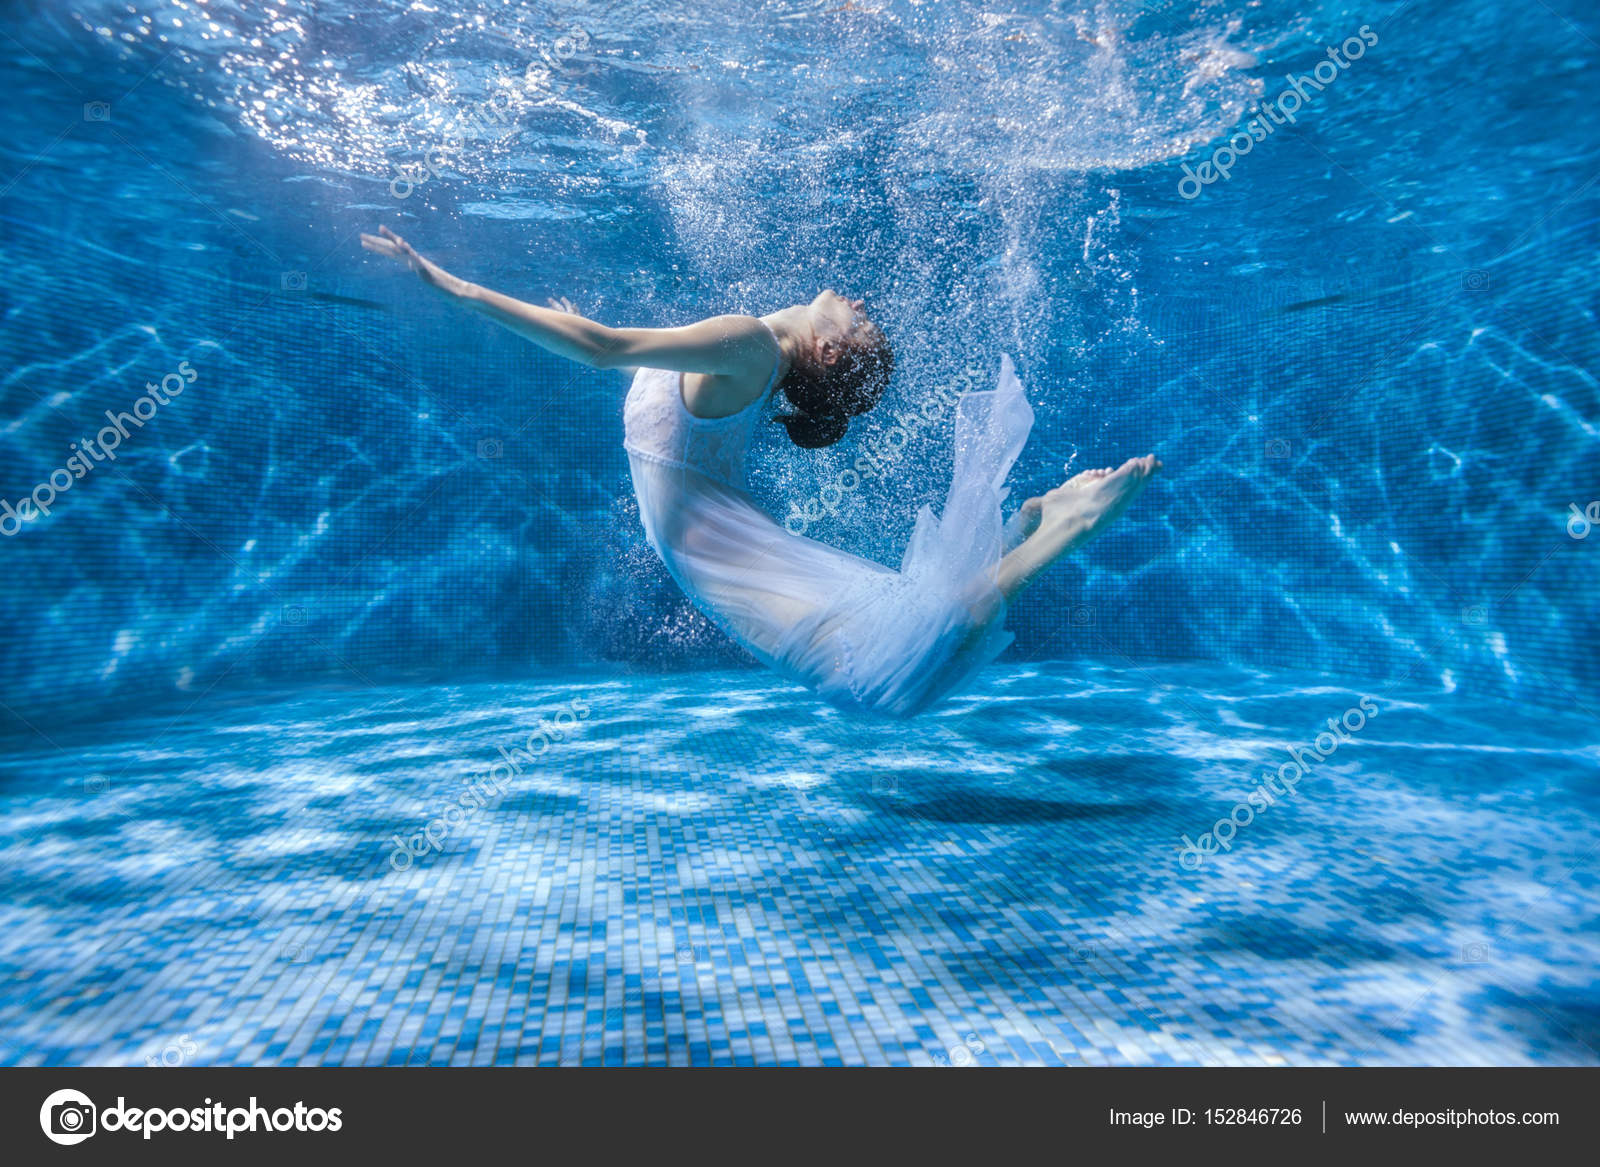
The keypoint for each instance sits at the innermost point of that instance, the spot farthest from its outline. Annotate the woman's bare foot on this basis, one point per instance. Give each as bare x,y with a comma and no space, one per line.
1067,517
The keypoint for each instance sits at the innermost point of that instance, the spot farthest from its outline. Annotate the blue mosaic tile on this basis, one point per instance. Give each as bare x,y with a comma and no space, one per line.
713,873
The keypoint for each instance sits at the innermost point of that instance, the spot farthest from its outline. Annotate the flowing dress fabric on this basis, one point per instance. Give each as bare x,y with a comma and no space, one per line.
864,636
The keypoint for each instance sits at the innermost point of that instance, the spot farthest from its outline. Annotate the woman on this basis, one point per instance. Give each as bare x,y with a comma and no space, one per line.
863,636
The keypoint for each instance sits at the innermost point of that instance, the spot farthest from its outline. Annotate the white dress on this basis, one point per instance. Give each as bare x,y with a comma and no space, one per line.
864,636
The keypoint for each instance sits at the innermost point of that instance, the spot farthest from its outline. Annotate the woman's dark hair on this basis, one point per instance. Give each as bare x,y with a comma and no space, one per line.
826,398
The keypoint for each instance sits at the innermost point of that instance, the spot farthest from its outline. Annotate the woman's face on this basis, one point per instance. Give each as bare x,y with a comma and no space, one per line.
838,322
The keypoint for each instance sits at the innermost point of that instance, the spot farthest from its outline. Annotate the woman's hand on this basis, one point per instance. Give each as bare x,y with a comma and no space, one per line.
386,242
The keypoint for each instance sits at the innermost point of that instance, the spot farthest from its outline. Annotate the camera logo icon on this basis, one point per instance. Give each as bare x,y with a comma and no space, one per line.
490,448
292,281
1278,448
96,111
67,1117
1081,616
1476,280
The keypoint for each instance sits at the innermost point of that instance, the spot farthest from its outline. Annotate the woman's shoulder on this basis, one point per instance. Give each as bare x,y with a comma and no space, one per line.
712,397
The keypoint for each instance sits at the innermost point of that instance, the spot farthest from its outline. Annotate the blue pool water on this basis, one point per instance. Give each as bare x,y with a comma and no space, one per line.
371,540
694,875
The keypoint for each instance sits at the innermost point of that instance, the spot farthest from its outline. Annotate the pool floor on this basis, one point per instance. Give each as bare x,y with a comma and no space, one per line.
712,868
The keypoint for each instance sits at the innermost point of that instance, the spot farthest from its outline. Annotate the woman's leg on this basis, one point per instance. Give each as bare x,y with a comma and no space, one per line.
1061,521
1069,516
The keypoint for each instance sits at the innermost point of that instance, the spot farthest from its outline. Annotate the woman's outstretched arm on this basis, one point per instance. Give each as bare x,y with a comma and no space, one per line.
725,345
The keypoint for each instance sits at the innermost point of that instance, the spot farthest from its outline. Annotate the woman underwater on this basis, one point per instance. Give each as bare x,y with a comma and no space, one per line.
862,635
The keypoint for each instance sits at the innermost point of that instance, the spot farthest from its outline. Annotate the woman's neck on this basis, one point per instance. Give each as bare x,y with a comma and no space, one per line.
792,327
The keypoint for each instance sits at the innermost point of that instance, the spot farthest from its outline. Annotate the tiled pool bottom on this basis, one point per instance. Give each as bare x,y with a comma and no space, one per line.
712,869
